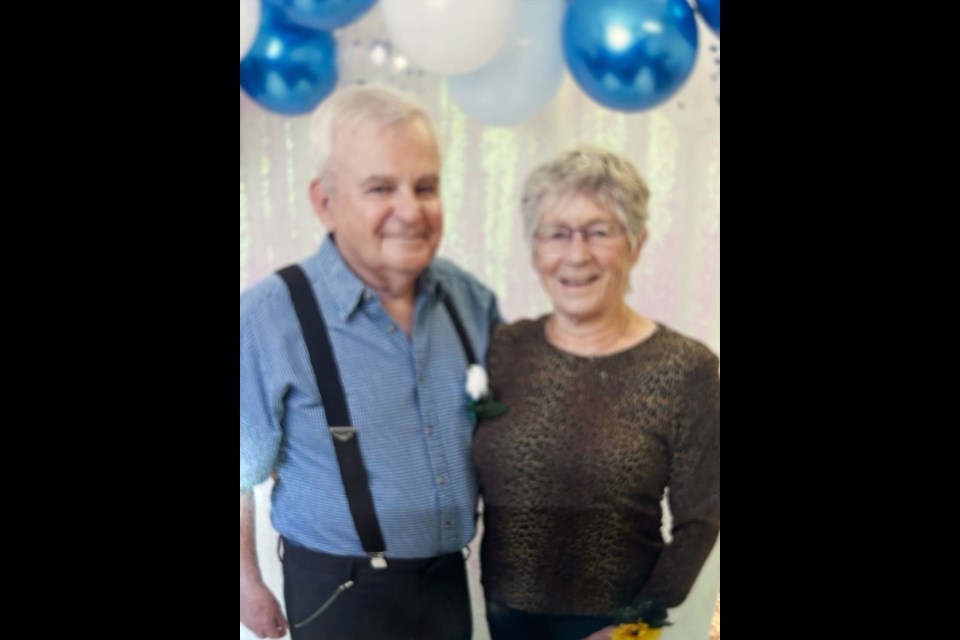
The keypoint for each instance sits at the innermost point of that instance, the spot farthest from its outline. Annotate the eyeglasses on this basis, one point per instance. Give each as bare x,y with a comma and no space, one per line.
599,234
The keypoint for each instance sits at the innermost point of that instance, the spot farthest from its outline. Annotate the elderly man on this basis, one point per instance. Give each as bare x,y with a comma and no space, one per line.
352,374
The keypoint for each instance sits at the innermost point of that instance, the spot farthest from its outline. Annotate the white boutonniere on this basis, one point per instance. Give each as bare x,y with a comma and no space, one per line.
482,404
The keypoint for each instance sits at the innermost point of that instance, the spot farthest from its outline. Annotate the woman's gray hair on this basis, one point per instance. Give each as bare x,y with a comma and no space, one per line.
609,180
354,105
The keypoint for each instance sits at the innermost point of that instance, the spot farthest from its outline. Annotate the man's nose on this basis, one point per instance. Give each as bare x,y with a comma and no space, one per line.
407,206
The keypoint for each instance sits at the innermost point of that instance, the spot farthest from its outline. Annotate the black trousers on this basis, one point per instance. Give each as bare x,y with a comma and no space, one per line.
411,600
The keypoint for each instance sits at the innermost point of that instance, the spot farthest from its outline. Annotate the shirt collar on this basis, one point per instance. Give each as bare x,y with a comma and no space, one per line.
348,292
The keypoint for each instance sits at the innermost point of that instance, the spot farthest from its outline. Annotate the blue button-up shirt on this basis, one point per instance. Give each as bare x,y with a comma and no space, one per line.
406,397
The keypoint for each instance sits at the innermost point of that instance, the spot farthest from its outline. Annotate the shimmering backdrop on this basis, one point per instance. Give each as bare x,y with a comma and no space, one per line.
676,147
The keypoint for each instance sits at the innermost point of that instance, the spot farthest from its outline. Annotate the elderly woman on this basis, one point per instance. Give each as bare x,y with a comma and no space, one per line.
608,413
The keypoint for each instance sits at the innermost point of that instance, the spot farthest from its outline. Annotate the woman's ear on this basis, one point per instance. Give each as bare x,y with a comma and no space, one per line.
641,240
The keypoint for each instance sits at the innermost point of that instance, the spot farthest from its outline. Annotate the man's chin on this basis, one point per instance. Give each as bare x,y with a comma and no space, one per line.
410,262
404,245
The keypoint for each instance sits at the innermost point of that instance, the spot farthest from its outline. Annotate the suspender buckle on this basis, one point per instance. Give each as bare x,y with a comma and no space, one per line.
343,434
378,561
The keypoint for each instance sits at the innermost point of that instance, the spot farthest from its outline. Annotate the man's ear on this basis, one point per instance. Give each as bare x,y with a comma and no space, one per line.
320,199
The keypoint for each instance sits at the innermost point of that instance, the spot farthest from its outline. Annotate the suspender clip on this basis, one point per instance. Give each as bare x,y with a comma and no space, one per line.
343,434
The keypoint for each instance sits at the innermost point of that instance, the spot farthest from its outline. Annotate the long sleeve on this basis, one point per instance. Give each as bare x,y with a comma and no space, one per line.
694,491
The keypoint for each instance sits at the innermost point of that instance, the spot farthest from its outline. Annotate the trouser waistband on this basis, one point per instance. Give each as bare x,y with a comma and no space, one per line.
318,560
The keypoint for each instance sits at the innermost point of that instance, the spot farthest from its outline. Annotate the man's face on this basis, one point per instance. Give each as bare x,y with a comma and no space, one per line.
383,203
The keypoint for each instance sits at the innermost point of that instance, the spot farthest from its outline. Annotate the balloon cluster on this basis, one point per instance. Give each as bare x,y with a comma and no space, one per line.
505,59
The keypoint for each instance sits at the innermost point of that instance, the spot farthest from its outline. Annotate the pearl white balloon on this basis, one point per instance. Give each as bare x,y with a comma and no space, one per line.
526,75
249,24
449,37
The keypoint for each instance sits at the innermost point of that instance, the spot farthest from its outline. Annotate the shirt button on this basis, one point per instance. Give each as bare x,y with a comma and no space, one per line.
430,430
448,525
441,480
391,329
420,378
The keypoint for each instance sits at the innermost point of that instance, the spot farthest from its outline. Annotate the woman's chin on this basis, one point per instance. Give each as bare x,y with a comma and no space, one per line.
578,312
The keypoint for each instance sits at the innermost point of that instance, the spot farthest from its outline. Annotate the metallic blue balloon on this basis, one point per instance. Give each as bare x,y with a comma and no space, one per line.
290,69
325,15
630,55
710,10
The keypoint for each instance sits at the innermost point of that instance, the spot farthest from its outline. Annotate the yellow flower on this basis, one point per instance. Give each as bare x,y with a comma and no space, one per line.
635,632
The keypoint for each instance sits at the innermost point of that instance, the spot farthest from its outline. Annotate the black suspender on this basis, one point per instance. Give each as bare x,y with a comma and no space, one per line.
461,332
353,473
345,441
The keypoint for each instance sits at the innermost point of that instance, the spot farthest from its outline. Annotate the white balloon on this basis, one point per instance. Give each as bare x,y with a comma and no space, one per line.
526,75
448,37
249,24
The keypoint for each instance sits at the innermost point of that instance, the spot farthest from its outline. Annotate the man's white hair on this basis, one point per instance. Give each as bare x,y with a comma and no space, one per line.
351,106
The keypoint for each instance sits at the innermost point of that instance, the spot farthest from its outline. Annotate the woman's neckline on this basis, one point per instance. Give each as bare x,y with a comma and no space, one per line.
642,342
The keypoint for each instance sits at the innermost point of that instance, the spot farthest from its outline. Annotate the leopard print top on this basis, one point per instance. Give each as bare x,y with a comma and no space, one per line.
574,474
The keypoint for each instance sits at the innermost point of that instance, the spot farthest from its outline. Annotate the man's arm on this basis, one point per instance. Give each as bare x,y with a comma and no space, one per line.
259,610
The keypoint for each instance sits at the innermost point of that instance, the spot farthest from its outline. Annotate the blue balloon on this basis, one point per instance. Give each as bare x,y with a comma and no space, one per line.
325,15
710,10
290,69
630,55
525,75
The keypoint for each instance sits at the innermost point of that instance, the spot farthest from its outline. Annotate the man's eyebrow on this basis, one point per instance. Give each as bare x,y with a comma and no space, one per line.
376,179
432,179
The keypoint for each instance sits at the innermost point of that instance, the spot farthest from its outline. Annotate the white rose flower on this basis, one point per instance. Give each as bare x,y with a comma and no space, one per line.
478,383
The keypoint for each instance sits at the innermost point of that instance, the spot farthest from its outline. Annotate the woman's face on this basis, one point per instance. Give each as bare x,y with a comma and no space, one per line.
585,274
